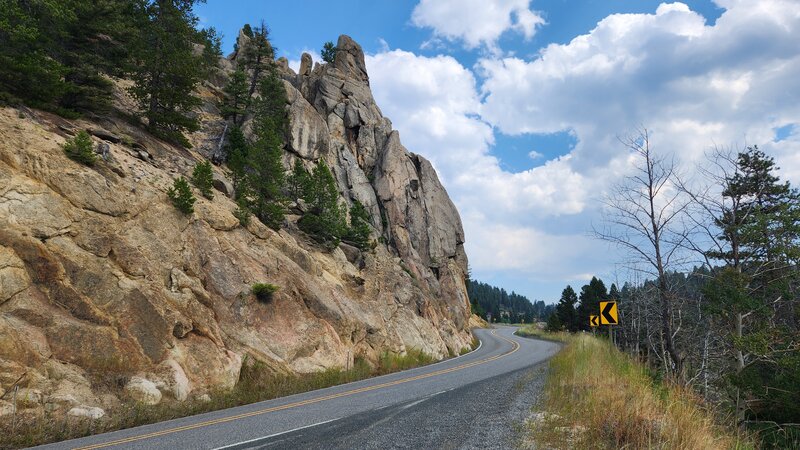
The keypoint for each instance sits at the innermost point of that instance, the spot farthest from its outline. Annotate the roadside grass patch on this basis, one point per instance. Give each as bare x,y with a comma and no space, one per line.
257,382
598,397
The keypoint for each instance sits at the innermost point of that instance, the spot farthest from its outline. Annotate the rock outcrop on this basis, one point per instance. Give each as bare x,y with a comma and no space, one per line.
103,283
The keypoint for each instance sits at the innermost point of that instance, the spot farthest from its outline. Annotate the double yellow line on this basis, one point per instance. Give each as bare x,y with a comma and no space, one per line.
303,402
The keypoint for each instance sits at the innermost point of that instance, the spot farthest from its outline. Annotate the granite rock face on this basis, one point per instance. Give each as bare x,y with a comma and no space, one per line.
100,276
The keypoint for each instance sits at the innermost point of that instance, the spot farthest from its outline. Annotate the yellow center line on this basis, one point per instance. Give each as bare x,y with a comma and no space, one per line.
303,402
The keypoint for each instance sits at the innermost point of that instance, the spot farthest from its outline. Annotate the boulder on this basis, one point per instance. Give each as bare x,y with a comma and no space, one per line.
353,254
87,412
222,184
176,381
143,390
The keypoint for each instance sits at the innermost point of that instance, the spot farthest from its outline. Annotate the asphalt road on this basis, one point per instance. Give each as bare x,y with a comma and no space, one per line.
465,402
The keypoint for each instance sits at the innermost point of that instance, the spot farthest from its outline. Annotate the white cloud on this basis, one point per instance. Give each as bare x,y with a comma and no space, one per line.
476,22
533,154
694,85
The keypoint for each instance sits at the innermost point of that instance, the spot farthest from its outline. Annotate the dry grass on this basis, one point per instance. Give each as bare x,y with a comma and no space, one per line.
598,397
534,332
256,383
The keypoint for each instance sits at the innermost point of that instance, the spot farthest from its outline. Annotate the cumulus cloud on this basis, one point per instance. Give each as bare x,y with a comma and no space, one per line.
692,84
476,22
533,154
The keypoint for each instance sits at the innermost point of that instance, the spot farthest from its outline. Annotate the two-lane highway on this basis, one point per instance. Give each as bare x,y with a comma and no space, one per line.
373,413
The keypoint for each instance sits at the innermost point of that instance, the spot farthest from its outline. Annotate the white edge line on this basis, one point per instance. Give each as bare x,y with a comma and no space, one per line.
276,434
480,344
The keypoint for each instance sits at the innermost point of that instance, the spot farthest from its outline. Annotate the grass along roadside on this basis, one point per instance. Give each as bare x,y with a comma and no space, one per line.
256,383
598,397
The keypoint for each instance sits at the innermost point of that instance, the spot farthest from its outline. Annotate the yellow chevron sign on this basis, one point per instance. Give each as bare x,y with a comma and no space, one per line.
593,322
608,313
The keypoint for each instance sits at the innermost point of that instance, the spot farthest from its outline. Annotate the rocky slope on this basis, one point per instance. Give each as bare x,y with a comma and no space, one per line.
101,278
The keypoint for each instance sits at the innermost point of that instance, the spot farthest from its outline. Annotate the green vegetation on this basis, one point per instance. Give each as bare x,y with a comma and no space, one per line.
166,68
203,179
489,301
181,195
359,231
328,52
60,55
256,383
80,149
237,99
264,291
257,166
325,220
598,397
257,57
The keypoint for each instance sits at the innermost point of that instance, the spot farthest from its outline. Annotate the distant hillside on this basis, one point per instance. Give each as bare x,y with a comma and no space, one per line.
490,301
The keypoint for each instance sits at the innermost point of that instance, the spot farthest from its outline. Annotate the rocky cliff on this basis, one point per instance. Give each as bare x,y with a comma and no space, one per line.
100,276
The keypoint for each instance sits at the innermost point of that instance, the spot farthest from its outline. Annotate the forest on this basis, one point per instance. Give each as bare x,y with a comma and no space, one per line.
711,300
497,305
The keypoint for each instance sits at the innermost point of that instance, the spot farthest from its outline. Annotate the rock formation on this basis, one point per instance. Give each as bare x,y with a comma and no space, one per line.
101,278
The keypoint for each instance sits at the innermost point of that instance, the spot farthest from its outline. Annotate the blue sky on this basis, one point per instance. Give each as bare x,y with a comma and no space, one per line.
518,103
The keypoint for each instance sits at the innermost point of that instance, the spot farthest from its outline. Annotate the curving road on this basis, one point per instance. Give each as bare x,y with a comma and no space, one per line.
463,402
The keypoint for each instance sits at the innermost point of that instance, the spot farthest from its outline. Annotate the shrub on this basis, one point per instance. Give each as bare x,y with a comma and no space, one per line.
242,213
79,149
181,195
264,291
203,179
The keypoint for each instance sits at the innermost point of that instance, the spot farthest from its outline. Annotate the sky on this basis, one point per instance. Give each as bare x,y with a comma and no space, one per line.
519,104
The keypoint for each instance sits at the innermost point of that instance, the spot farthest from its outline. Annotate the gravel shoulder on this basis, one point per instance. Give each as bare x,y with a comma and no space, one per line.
489,414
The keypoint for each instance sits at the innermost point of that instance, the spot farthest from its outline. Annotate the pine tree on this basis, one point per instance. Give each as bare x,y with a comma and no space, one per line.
299,181
328,52
325,221
181,195
359,230
760,222
167,68
80,149
257,56
565,309
591,296
236,101
237,150
203,179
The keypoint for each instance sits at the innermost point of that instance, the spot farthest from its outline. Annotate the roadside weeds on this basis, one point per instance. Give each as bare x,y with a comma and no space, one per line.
600,398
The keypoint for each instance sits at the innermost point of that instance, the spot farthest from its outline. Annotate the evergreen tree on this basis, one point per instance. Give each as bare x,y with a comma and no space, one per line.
80,149
237,150
760,222
27,71
257,56
203,179
53,54
565,309
167,68
299,181
328,52
236,100
591,296
181,195
359,230
325,220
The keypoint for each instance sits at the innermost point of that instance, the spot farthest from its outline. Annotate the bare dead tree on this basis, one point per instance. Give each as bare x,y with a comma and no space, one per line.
643,216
